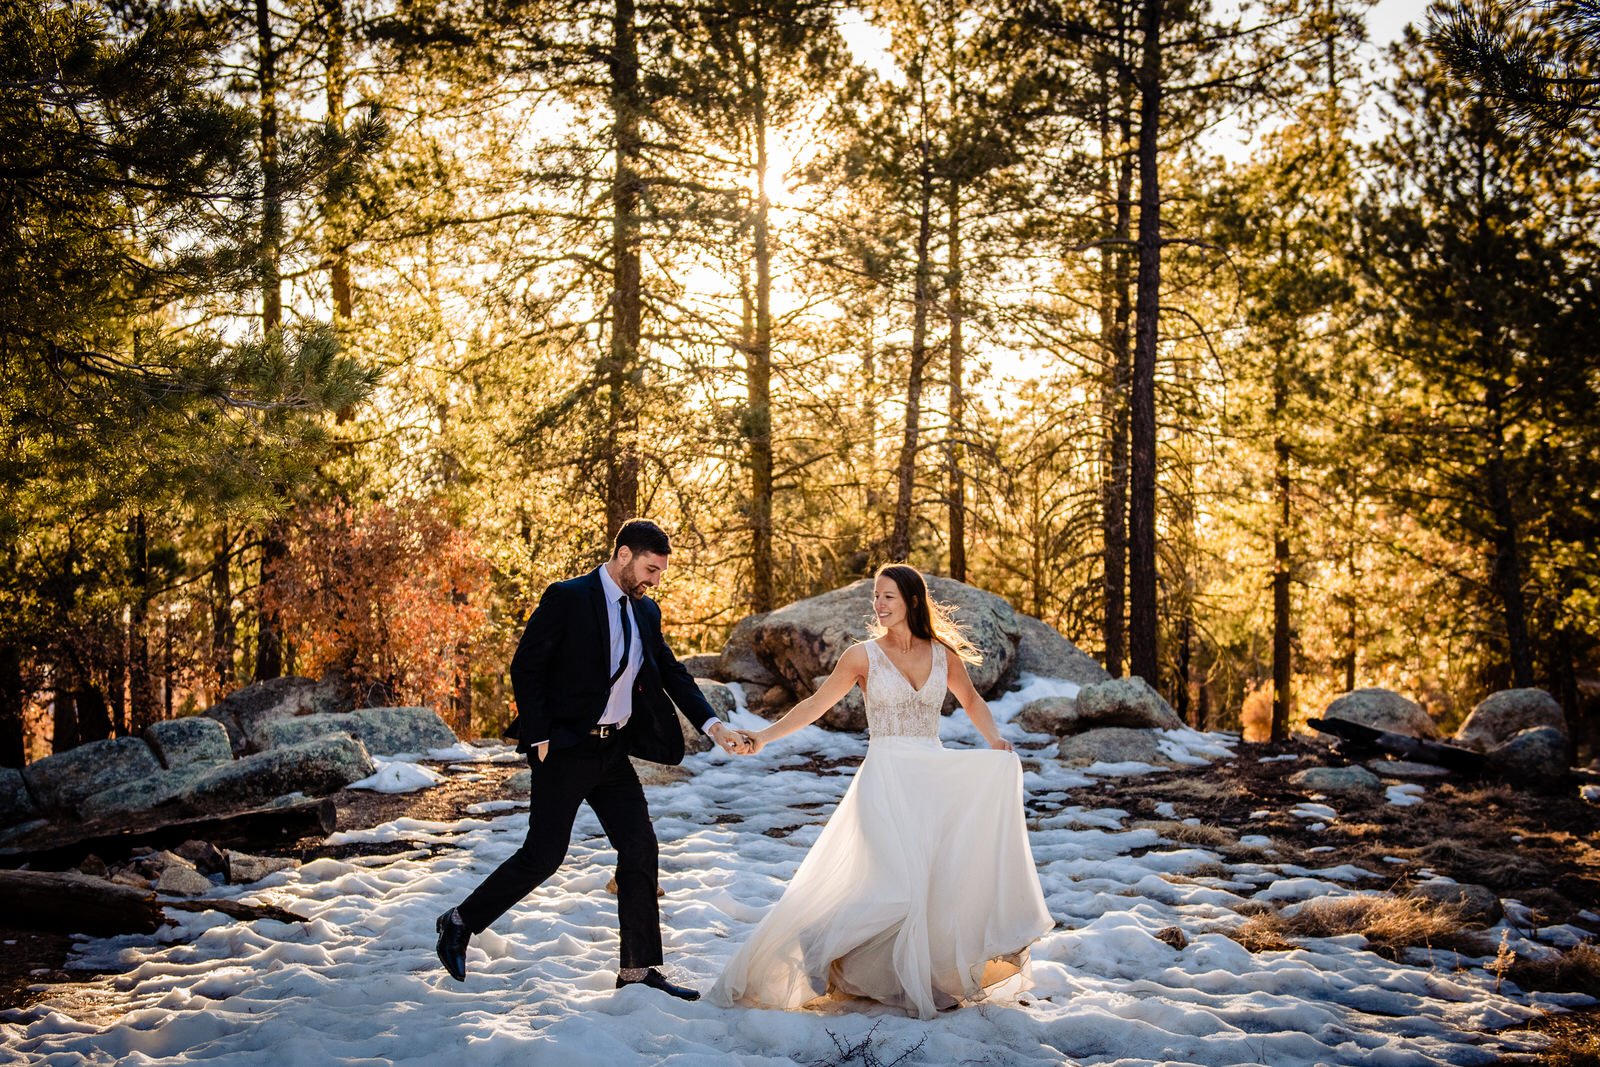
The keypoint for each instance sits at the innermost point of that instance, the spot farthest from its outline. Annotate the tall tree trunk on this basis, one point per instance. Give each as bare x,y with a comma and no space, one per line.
622,371
1142,504
955,437
274,546
271,653
906,469
64,716
94,719
758,368
1115,312
13,728
141,688
1282,634
223,628
338,250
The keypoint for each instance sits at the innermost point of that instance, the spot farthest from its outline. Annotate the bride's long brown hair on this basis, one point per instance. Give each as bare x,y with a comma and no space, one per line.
925,617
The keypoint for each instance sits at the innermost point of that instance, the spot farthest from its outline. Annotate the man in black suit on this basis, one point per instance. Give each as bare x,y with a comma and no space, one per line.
592,678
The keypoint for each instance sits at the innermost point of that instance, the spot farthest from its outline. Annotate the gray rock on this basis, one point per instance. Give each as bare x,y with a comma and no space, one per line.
721,701
1043,652
205,856
1352,779
739,662
1049,715
1479,904
142,794
803,641
703,665
16,803
1113,744
1503,715
1536,756
521,782
276,733
180,881
1129,702
243,711
242,868
1383,709
194,739
313,767
62,781
1399,768
384,731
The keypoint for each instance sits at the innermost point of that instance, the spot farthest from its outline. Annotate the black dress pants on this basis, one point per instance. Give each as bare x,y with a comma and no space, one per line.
596,771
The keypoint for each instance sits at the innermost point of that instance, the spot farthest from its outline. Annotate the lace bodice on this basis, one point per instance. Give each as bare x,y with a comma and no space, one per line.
894,709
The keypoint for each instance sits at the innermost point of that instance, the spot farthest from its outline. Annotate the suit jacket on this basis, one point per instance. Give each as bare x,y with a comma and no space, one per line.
561,675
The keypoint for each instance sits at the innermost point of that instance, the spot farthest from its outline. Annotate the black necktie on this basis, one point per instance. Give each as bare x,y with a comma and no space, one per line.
627,637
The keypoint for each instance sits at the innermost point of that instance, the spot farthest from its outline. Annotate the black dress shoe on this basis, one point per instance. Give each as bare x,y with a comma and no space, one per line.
452,947
653,978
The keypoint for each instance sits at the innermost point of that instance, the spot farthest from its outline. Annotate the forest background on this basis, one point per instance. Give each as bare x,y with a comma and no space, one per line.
332,330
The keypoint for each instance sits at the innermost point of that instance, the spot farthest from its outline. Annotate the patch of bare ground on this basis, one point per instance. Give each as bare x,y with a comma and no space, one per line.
1390,924
1574,1039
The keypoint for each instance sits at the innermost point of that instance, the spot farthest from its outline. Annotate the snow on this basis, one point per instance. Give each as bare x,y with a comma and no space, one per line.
398,776
358,982
1403,796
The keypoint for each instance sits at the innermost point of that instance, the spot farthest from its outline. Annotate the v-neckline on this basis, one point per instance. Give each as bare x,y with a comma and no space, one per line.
902,674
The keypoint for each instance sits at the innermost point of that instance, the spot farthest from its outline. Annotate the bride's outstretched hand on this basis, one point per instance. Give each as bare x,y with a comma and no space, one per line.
750,743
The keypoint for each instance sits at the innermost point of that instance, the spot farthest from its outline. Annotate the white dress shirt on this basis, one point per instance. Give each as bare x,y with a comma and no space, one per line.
620,705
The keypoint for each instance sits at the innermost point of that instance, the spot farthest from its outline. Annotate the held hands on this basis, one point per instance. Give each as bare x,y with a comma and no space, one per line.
736,742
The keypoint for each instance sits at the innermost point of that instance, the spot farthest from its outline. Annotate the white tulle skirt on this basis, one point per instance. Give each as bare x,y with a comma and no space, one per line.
920,892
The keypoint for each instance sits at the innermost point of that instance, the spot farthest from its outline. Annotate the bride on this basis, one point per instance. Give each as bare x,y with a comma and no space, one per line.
920,892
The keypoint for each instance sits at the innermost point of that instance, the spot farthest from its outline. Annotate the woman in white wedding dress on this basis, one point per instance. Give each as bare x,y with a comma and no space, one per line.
921,891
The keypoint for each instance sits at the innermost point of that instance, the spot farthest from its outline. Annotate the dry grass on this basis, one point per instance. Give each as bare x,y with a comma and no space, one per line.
1577,1050
1187,834
1390,924
1577,970
1496,868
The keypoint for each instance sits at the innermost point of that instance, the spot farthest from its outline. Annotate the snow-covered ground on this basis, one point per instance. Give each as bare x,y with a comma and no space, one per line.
359,984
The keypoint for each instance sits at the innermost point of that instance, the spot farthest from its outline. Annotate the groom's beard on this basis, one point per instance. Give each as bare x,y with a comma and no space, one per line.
631,584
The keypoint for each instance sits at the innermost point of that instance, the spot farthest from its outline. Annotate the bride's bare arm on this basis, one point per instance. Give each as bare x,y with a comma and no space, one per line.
966,695
851,668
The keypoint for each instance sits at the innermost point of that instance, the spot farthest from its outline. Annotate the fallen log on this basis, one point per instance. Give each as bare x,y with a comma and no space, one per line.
236,909
1357,738
58,849
76,903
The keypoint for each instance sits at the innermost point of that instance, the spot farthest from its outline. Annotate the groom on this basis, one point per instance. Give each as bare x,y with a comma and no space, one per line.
592,677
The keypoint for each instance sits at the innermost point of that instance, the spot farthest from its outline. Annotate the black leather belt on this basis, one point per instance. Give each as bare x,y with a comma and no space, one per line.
606,729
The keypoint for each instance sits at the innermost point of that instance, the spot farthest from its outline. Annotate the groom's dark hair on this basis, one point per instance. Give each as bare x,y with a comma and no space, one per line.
641,535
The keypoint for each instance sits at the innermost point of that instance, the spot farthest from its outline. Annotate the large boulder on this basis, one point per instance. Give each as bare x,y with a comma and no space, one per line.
1114,744
191,740
312,766
63,780
803,641
242,712
1503,715
1383,709
383,731
703,665
1129,702
1353,780
739,661
1536,756
1044,653
323,765
16,803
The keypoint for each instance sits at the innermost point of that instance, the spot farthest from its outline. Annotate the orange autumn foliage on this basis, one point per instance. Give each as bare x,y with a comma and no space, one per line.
390,595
